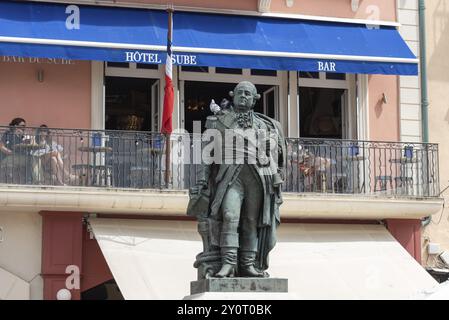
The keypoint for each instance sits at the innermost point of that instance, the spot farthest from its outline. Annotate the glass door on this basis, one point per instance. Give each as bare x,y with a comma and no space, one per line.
271,102
344,115
322,112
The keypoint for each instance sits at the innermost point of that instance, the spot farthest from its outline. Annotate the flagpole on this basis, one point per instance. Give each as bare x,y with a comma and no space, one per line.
168,144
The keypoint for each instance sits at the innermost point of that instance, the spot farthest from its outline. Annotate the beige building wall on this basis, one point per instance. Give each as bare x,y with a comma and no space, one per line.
409,86
437,28
21,248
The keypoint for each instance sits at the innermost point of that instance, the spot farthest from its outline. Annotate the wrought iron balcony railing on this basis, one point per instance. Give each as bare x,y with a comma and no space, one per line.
362,167
126,159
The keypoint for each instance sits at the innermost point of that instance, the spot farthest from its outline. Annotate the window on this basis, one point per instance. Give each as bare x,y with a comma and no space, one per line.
128,103
118,64
147,66
335,76
326,106
261,72
228,70
309,75
321,112
195,69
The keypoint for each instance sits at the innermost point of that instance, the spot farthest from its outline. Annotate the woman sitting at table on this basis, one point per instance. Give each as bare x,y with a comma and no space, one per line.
315,169
50,155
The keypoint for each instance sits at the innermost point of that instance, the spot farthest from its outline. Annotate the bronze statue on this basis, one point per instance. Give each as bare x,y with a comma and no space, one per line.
237,201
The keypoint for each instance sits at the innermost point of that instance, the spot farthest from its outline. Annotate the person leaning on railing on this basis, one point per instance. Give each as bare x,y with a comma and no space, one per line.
13,162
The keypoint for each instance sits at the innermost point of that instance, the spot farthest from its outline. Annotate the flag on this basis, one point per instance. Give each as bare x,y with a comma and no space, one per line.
169,96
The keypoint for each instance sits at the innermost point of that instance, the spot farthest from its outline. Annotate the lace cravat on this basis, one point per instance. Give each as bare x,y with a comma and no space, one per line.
245,120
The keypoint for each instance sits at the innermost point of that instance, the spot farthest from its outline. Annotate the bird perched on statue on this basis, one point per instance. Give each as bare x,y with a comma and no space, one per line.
218,109
215,108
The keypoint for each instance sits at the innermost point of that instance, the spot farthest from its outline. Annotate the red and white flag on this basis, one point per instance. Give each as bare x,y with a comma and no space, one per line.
169,96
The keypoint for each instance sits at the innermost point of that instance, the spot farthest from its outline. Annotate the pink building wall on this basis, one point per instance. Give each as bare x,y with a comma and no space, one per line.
94,266
62,240
368,9
247,5
408,233
63,99
383,118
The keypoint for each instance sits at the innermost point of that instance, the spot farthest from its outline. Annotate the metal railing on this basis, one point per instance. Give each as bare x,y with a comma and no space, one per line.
362,167
127,159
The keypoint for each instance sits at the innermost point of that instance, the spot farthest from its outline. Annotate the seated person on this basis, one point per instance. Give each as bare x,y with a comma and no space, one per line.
13,136
313,163
50,155
10,158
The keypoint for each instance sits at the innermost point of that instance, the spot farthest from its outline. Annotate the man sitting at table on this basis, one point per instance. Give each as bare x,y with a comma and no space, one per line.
13,162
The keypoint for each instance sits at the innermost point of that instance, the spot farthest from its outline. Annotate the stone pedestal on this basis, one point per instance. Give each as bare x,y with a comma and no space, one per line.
239,285
239,289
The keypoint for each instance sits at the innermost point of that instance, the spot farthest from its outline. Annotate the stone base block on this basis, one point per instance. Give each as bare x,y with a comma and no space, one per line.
242,296
241,285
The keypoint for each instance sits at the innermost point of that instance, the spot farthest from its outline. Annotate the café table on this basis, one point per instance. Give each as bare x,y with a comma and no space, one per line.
145,167
98,173
405,177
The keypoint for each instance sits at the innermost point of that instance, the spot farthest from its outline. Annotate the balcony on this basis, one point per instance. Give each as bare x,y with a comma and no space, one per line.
120,166
362,167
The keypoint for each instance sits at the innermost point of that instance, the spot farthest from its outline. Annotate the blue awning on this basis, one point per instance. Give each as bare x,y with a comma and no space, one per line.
138,35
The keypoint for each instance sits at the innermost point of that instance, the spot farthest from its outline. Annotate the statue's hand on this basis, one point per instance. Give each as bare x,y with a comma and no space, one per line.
200,185
281,173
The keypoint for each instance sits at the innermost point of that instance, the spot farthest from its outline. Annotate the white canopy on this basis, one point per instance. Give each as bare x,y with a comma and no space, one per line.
153,259
12,287
438,292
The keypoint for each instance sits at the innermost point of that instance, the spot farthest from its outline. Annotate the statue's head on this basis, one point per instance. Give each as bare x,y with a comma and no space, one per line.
245,96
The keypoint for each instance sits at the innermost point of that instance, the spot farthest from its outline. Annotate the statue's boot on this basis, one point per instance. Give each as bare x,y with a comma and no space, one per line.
246,265
229,243
226,271
229,260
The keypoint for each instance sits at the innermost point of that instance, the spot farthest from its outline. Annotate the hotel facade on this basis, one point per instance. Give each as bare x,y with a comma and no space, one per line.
342,77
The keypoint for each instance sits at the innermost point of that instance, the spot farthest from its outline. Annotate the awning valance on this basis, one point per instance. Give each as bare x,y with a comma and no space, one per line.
137,35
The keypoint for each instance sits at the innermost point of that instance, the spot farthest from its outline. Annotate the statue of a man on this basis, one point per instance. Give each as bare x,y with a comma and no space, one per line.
237,200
